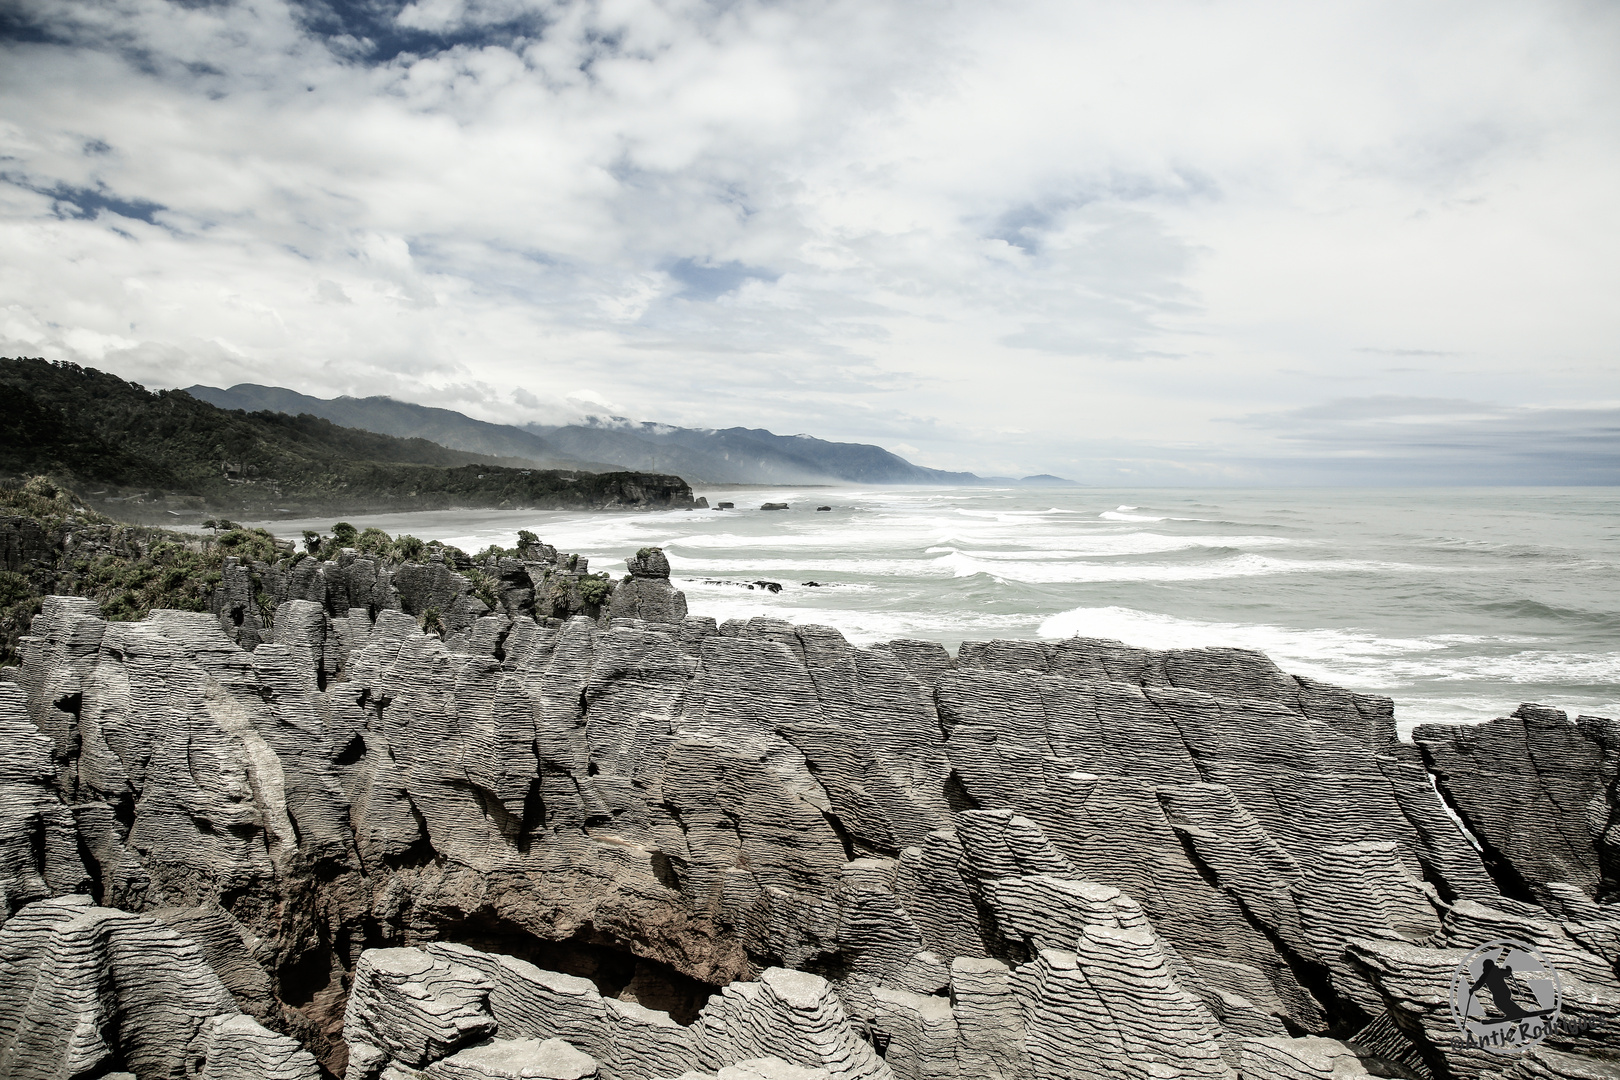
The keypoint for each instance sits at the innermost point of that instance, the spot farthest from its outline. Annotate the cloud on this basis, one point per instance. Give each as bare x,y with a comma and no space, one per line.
1103,226
1405,352
1405,440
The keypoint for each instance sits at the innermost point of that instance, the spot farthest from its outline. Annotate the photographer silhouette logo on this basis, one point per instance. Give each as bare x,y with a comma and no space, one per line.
1505,997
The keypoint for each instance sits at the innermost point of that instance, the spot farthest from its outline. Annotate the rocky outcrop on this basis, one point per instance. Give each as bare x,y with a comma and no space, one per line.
447,592
1538,792
86,990
639,846
645,593
435,1009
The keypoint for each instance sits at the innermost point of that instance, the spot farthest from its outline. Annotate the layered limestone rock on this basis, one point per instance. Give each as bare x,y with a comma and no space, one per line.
542,585
86,990
643,845
1537,790
645,593
435,1008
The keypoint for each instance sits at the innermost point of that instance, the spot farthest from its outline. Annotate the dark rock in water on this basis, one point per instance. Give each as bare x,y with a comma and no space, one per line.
725,506
821,508
701,503
773,506
634,847
812,584
767,586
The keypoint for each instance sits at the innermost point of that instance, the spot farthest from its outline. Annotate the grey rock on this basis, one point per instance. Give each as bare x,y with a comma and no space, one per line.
766,1068
649,598
791,1015
39,851
414,1009
1538,791
974,855
240,1048
84,987
1112,1008
515,1059
648,563
1300,1059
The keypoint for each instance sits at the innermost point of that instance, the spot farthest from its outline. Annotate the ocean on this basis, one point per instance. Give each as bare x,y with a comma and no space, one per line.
1458,603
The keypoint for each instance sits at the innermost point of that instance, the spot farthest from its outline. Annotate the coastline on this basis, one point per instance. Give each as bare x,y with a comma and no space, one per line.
1447,600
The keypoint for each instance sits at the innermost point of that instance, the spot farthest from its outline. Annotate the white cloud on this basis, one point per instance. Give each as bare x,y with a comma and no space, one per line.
1035,236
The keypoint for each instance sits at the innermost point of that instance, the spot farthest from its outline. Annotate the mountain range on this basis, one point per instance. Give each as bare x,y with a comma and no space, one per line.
144,455
698,455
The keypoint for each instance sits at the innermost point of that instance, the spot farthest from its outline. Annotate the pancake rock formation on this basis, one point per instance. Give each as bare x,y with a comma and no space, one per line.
633,844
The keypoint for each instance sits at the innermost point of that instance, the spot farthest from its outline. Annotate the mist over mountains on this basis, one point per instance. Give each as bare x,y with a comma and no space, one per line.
699,455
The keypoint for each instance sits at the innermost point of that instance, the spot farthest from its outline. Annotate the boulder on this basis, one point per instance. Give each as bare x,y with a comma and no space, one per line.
514,1059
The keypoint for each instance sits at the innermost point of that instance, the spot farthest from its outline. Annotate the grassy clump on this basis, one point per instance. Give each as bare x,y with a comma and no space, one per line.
168,576
594,589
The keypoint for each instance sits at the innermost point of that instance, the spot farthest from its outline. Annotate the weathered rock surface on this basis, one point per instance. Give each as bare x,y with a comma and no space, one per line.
645,593
642,845
86,990
1538,793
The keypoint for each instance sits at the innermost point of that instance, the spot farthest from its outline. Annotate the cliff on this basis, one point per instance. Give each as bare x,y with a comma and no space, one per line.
653,846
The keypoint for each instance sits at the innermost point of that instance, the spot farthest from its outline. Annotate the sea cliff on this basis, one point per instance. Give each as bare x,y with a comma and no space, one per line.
544,837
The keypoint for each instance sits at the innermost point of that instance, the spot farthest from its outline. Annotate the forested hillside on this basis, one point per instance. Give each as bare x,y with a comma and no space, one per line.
140,454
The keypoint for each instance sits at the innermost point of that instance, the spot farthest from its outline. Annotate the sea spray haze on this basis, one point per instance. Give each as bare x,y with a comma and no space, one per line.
1451,601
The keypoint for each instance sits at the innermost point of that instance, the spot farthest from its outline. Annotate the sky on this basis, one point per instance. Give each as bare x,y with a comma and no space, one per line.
1181,242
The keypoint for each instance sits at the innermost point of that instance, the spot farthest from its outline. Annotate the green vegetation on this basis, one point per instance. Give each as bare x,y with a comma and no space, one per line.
594,589
55,544
483,587
157,453
65,548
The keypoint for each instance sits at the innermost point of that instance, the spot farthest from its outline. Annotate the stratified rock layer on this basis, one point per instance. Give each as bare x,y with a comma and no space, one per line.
643,845
86,990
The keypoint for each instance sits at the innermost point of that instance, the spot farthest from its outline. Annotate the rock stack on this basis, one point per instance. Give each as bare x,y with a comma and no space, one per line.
646,593
645,845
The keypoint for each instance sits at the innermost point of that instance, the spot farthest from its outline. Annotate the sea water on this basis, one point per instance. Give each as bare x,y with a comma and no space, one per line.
1457,603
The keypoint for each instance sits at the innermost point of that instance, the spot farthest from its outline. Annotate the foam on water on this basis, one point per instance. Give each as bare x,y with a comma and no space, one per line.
1113,544
1357,657
1458,604
1079,572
